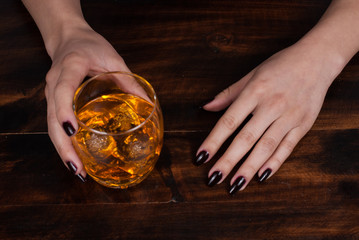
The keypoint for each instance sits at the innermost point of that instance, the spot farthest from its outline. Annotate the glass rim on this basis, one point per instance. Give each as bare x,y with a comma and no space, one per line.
84,84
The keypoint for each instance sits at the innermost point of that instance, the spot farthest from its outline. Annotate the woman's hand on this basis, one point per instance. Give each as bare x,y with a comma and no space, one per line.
76,51
284,96
83,53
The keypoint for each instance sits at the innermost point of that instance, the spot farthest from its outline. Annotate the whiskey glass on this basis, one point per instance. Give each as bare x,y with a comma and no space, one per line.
120,133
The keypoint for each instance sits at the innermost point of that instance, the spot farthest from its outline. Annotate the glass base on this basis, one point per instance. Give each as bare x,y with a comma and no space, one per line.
121,185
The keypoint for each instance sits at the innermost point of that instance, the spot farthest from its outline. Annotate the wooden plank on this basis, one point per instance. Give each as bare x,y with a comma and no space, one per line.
321,170
189,52
195,220
32,173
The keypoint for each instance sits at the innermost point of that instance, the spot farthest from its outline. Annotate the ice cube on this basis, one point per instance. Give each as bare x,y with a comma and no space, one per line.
124,119
138,147
100,146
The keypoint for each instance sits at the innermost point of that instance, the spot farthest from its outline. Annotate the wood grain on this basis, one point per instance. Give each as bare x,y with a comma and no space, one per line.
314,195
321,167
196,49
189,51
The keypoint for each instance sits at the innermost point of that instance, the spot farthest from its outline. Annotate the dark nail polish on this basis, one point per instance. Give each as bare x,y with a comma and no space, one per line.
237,185
214,178
73,169
69,129
81,178
201,158
265,175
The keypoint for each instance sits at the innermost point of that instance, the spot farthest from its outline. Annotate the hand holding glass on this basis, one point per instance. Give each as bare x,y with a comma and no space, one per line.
120,132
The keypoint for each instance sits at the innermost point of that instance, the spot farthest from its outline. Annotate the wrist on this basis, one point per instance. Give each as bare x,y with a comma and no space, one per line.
64,31
328,60
334,38
56,20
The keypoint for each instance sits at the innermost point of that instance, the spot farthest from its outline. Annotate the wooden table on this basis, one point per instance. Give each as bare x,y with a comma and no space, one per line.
189,50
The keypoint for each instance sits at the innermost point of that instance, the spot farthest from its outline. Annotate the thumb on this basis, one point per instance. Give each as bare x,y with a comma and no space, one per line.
228,95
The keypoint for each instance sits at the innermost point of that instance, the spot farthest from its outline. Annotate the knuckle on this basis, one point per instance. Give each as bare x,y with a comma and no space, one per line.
75,62
277,162
268,144
72,58
250,170
63,88
247,137
288,145
229,122
50,77
259,88
278,101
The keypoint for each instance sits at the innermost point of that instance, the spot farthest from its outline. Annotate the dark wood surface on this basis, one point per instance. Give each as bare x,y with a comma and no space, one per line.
189,51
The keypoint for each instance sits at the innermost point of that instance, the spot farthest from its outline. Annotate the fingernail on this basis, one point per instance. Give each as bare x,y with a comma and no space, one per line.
81,178
204,103
73,169
265,175
69,129
237,185
214,178
201,158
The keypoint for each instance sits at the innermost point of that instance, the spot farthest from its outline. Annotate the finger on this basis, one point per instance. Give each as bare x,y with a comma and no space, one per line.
228,95
70,78
117,64
225,126
128,82
263,150
242,143
133,86
283,151
122,76
63,143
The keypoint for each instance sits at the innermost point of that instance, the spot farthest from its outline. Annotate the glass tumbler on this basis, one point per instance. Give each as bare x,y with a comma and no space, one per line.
120,133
